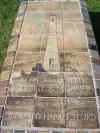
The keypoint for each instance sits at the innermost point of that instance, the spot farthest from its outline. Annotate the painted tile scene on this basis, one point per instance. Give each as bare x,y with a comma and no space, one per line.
50,81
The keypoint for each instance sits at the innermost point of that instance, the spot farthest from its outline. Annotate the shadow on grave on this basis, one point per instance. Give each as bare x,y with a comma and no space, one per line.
38,68
95,18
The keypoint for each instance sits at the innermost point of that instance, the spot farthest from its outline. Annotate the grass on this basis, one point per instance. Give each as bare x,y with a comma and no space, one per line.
94,11
8,11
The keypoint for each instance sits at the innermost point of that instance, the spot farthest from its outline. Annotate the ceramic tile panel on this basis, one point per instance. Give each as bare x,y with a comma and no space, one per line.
77,62
79,85
75,37
23,84
44,6
50,85
69,13
28,62
3,91
19,111
39,29
39,62
49,112
7,131
81,113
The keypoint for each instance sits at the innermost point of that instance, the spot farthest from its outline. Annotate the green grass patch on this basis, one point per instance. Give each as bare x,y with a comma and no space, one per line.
8,12
94,11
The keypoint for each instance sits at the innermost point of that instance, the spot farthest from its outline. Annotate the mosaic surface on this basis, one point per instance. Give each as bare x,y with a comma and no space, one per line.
50,80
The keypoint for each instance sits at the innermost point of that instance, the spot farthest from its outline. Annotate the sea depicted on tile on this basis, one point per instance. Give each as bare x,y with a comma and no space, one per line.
50,80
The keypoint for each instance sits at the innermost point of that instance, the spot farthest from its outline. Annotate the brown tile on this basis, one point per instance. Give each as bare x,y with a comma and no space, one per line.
75,37
44,62
81,113
23,85
69,13
37,26
28,62
7,131
77,62
44,131
43,6
79,85
94,132
18,112
32,131
70,131
49,112
53,62
82,132
3,89
50,85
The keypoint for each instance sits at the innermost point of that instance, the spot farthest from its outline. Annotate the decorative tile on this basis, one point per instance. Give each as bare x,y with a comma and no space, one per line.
81,113
3,91
23,85
7,131
53,61
79,85
28,62
18,112
74,37
73,131
44,132
50,85
69,13
39,62
77,62
41,29
49,112
82,131
44,6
